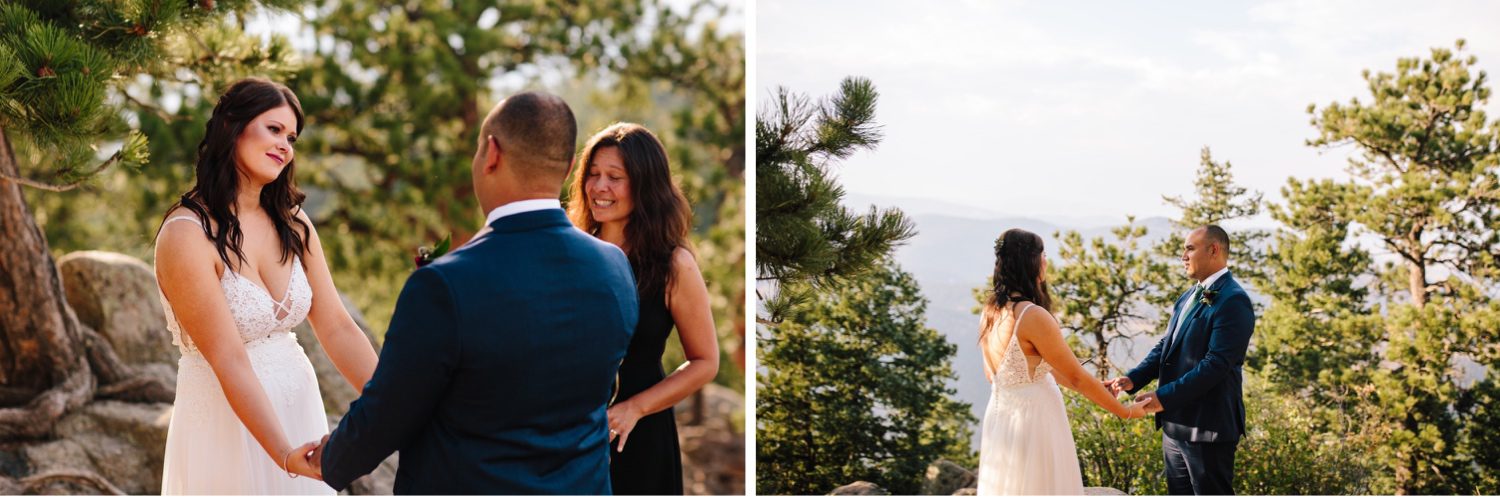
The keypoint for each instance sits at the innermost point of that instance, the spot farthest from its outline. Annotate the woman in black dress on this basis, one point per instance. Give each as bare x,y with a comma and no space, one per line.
623,194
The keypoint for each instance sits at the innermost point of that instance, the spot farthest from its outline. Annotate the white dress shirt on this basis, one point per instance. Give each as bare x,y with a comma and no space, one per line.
520,206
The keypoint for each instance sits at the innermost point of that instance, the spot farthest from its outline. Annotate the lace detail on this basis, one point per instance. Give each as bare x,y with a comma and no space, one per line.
257,316
1013,367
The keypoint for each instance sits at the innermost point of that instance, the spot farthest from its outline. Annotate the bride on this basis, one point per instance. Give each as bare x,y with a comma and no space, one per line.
1026,446
239,265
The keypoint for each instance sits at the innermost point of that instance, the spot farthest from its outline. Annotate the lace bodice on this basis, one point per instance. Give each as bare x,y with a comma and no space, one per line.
257,315
1013,367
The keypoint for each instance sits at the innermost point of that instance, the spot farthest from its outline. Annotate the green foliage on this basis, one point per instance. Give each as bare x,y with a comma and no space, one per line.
856,387
1216,199
1392,341
1106,292
806,240
1286,452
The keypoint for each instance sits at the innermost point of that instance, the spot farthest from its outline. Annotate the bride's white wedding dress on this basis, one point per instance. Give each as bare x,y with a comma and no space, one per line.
1026,446
209,451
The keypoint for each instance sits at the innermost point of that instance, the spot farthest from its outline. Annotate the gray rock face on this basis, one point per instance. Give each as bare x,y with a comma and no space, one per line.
116,295
945,477
1102,491
859,488
967,491
120,441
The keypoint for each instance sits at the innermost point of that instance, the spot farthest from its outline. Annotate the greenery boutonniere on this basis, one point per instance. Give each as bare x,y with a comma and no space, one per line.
426,255
1208,297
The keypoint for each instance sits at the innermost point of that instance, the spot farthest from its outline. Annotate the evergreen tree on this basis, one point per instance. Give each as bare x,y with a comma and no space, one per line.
1107,292
1216,199
805,239
1423,185
63,69
856,387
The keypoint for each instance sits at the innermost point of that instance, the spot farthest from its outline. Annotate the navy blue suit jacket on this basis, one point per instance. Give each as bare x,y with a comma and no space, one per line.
1199,367
497,367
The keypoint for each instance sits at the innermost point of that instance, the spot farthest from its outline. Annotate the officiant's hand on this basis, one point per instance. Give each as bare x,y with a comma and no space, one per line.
298,462
622,418
1150,402
1117,385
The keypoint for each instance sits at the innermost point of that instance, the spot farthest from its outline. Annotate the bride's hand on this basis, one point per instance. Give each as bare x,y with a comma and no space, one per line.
1135,410
622,418
299,461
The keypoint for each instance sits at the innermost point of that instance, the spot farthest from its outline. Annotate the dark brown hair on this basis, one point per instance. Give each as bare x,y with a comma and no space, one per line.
1018,268
218,178
659,222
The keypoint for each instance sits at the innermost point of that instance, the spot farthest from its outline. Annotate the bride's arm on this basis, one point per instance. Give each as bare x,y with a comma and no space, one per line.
187,267
342,340
1045,335
688,302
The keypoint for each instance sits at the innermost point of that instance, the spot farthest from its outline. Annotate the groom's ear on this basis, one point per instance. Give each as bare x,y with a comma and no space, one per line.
491,152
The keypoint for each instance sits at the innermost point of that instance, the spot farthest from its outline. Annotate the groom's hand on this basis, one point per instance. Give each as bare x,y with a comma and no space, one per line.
317,454
1117,385
1150,401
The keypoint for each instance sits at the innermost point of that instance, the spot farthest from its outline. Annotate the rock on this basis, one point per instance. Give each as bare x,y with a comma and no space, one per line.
713,451
126,442
859,488
967,491
945,477
116,295
337,392
58,455
1102,491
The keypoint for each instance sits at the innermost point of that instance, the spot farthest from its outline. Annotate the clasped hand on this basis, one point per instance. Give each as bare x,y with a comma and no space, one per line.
307,459
1146,403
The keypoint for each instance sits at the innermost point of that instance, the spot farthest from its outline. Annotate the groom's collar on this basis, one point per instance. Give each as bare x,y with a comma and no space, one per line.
520,206
1209,281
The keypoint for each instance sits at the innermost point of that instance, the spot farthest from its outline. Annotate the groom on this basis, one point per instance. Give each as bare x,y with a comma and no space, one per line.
501,356
1199,405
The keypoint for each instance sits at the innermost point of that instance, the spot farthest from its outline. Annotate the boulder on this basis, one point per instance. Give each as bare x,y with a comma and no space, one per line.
116,295
713,451
945,477
967,491
124,442
1102,491
859,488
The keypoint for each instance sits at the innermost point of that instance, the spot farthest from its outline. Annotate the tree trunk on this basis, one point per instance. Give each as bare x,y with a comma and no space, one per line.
1418,283
48,360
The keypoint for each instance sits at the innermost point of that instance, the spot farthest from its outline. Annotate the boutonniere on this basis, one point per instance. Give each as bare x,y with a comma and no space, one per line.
426,255
1208,297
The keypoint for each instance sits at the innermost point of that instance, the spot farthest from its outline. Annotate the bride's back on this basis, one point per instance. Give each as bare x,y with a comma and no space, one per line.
1004,345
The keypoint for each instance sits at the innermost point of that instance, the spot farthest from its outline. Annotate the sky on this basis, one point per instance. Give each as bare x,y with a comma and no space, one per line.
1098,109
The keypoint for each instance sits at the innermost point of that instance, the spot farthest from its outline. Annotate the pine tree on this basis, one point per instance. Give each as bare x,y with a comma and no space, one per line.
855,386
1106,292
1423,185
805,239
63,70
1217,199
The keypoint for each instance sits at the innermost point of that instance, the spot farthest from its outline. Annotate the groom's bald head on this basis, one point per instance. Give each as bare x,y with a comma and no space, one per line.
535,132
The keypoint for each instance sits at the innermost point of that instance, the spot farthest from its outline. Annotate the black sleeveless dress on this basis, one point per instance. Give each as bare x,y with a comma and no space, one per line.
652,462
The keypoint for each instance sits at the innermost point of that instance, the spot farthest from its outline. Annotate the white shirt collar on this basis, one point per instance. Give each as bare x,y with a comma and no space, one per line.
1209,281
520,206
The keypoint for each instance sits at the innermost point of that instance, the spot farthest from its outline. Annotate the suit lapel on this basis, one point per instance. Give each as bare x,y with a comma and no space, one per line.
1172,337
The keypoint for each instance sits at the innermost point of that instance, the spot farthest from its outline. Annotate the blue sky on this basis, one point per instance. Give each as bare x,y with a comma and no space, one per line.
1089,109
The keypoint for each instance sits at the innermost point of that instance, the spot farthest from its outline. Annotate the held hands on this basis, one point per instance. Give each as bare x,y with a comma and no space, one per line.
298,461
622,419
1150,402
1117,385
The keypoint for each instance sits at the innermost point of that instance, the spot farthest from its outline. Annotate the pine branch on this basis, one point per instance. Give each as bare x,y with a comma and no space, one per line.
52,187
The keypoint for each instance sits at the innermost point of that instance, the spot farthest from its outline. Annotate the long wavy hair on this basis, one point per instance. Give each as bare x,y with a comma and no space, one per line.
1017,277
659,222
218,178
